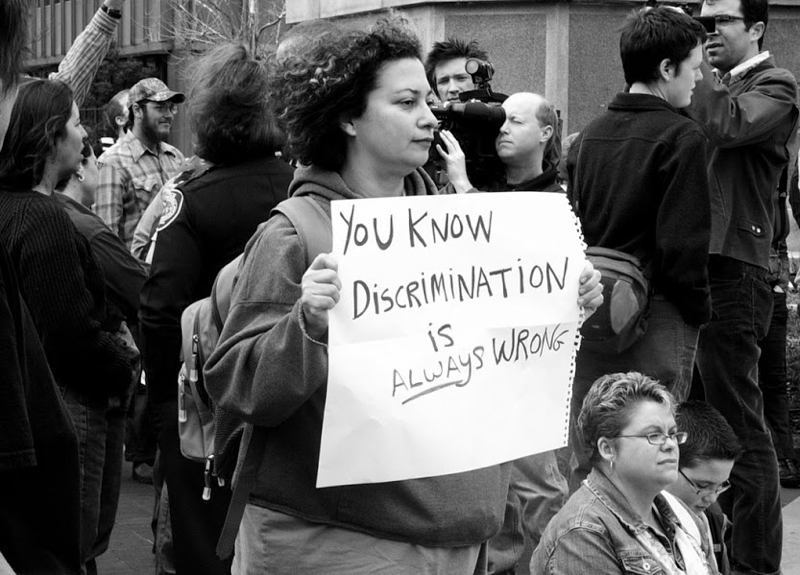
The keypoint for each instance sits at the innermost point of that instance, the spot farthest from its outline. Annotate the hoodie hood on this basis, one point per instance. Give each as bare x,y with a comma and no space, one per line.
312,180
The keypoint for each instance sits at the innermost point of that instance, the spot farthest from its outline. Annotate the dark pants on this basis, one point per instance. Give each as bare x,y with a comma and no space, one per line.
772,378
666,352
196,524
727,357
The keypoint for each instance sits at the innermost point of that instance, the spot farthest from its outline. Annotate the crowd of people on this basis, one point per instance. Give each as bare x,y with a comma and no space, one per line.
678,443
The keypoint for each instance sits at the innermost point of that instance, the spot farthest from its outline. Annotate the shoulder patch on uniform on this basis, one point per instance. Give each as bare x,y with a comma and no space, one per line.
172,200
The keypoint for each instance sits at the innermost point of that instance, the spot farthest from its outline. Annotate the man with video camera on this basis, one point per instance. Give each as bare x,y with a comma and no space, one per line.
527,144
446,67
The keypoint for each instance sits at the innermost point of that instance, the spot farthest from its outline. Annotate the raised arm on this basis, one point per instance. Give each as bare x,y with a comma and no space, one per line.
84,57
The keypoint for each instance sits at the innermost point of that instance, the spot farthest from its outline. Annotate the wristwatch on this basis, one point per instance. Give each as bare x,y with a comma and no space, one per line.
113,12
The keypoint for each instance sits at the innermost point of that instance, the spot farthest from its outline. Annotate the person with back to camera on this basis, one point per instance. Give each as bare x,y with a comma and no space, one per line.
637,178
618,521
357,121
210,213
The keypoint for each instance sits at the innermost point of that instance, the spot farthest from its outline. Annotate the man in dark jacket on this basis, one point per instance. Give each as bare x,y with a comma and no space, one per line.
638,180
749,116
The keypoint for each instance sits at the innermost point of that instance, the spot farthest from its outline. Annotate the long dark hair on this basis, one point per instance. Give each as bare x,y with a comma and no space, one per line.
14,32
38,120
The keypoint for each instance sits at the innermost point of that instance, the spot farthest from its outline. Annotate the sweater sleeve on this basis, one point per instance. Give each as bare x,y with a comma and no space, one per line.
52,278
264,367
683,224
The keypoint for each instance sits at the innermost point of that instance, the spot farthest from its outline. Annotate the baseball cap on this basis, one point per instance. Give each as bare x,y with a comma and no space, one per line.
154,90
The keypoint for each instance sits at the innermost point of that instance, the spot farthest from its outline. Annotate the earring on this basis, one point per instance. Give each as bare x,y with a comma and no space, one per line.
79,175
611,463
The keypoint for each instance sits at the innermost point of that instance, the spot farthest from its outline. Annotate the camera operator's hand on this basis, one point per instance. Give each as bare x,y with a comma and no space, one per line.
456,162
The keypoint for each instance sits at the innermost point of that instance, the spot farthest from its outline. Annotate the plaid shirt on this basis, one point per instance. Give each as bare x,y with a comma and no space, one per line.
84,57
130,177
78,67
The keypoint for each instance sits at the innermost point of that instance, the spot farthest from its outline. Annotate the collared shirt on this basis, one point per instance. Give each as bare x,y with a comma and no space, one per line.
743,67
130,177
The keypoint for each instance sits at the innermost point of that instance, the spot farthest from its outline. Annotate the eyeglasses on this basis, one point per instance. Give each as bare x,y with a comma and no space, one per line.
708,489
163,107
659,438
725,19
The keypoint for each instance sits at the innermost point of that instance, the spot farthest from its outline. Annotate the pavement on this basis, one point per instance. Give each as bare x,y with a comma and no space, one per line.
130,552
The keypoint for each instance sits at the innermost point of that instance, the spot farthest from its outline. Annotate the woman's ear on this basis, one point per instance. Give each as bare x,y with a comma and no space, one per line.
605,448
347,126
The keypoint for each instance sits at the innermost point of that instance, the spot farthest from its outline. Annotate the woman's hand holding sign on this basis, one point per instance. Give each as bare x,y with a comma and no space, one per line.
321,291
590,290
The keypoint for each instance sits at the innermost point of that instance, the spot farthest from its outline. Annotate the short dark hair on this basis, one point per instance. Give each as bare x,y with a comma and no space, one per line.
229,106
710,435
756,11
116,106
38,120
313,91
652,34
608,405
451,49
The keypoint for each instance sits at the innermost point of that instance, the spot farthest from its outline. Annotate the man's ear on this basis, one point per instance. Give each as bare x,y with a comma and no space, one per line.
547,133
346,124
666,69
756,31
137,111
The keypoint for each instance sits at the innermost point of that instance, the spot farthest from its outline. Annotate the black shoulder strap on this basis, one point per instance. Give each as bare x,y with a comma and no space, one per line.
312,222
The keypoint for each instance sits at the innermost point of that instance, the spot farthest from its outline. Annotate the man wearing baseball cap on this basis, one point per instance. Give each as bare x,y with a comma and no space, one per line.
134,169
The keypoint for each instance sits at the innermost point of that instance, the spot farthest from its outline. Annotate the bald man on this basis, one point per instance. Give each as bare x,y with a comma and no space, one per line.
527,144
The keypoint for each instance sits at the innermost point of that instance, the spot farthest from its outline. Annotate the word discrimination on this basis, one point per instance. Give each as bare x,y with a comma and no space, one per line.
450,286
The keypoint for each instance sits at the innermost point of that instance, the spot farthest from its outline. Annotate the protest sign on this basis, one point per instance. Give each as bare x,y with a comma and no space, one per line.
453,345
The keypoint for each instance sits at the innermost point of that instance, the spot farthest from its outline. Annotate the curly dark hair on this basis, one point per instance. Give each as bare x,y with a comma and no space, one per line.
313,92
229,106
38,121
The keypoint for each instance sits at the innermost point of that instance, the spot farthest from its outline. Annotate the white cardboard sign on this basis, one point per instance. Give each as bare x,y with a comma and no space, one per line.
453,345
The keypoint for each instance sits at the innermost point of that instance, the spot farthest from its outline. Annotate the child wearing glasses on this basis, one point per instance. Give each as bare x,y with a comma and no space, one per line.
705,462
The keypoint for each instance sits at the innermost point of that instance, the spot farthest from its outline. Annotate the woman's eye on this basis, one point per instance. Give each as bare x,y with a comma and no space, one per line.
407,103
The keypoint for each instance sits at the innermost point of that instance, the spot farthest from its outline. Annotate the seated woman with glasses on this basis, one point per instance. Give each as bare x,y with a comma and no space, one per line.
705,462
618,521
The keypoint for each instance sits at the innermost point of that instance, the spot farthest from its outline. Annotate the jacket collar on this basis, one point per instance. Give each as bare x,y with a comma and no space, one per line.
616,502
644,102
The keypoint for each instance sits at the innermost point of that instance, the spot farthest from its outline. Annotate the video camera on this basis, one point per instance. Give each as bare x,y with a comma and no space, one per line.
475,122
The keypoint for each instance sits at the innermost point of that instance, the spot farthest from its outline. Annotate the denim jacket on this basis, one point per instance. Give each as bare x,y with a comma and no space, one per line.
596,532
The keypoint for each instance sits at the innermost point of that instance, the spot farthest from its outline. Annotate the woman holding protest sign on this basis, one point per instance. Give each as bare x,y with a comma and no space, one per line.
357,121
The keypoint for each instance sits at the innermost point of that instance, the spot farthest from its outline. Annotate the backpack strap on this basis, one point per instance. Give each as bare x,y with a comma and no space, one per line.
313,224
